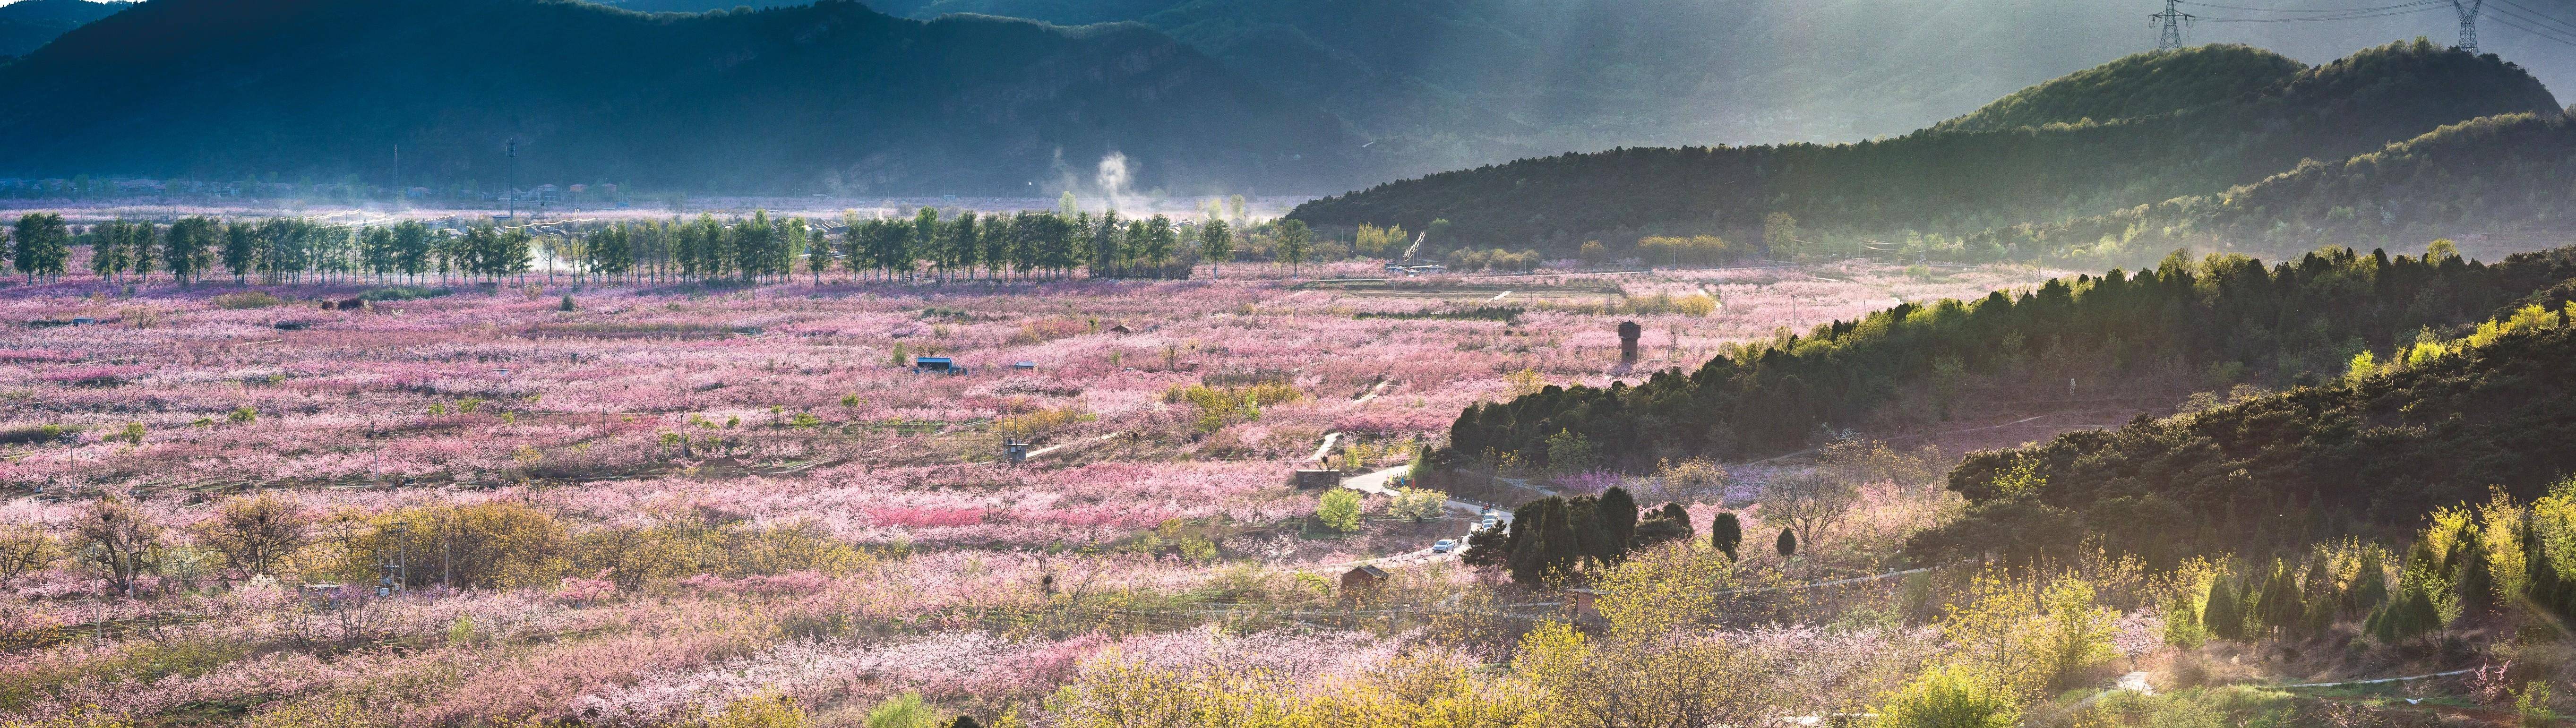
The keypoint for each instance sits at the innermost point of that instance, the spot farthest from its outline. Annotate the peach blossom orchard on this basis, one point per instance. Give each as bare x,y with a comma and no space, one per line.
795,406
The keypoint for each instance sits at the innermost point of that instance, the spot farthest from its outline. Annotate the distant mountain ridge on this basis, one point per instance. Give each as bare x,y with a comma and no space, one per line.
1987,170
26,25
829,97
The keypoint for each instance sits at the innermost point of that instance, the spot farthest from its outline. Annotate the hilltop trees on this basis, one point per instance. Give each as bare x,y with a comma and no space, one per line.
2226,317
2443,423
2037,158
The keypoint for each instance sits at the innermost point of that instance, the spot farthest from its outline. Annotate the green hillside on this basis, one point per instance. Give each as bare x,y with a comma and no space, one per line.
1955,182
29,24
2143,85
827,97
2372,451
2502,174
2183,325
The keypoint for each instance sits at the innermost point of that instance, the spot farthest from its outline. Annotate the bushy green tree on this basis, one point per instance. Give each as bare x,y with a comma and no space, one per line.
1216,243
1339,509
40,246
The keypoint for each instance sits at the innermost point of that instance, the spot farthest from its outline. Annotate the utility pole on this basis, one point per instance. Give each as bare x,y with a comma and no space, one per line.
2172,20
2468,10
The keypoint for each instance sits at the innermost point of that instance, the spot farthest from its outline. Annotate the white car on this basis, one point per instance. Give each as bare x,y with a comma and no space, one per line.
1443,546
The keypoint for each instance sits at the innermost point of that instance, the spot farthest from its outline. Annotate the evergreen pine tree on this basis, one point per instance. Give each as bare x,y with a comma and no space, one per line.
1725,533
2476,581
142,249
2281,607
1619,518
2220,613
2370,586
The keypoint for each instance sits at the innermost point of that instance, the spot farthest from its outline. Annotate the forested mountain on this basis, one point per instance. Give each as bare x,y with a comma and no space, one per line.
1445,84
2139,86
1987,171
28,24
2223,320
2502,175
2438,426
833,96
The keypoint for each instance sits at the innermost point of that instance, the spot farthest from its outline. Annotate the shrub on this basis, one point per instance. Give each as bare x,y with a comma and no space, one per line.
1950,697
1339,510
246,300
402,293
903,711
765,710
1418,504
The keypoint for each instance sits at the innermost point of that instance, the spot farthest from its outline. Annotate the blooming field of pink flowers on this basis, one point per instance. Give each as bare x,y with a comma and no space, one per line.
985,583
788,401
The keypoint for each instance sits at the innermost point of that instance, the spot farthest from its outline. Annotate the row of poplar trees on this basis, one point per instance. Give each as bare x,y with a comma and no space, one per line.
759,247
275,250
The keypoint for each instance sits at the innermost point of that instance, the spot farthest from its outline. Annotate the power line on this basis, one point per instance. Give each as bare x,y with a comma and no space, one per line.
2319,11
2508,13
2356,14
2544,18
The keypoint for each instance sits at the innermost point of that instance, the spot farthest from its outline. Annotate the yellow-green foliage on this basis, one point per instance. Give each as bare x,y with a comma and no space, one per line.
681,545
246,300
1041,421
2023,637
481,545
1696,305
1339,509
1951,697
1219,407
2426,349
1697,249
765,710
904,711
1383,242
83,717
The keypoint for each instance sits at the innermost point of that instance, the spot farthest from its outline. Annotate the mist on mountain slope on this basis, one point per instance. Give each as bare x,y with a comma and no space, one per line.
1451,83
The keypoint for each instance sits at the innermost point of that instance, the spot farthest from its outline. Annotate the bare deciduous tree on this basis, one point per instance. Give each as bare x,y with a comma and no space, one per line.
23,548
117,541
255,533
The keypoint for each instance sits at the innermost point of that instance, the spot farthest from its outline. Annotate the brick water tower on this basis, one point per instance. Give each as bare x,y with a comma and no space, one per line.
1629,332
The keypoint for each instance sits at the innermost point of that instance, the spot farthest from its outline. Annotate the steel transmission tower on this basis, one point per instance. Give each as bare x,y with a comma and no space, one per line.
2468,23
2172,20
